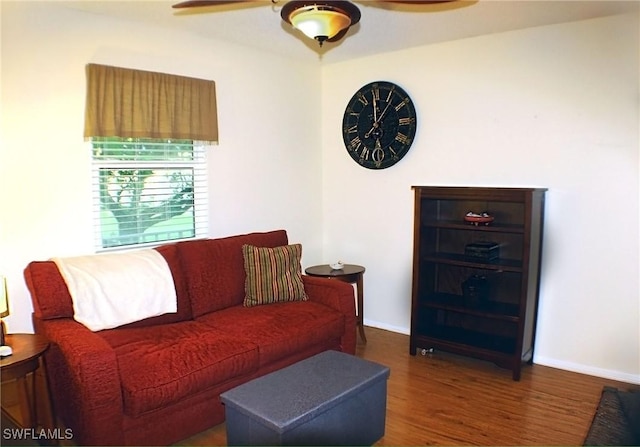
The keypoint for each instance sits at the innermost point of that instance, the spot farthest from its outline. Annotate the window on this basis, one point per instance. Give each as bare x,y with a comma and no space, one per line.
150,182
148,191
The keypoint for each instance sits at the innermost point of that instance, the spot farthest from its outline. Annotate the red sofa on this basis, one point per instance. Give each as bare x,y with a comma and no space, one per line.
158,381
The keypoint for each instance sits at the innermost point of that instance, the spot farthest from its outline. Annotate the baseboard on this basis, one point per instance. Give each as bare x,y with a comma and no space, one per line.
540,360
387,327
588,370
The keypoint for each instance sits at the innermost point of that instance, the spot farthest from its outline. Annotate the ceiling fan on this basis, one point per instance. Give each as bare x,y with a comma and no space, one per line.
322,20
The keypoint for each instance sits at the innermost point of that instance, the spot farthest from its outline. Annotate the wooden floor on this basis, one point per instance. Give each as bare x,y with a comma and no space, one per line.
443,399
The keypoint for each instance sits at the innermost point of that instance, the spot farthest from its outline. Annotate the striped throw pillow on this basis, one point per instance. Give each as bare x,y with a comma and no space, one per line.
273,274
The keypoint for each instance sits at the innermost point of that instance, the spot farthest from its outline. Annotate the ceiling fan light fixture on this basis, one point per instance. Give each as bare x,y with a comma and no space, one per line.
319,23
320,20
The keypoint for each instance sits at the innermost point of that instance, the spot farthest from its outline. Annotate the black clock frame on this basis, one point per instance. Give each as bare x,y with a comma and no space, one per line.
379,125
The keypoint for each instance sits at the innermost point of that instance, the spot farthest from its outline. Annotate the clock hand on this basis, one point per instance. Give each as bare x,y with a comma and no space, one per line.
374,127
375,107
376,123
383,112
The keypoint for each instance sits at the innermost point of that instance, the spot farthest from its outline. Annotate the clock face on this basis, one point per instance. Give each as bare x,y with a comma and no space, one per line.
379,125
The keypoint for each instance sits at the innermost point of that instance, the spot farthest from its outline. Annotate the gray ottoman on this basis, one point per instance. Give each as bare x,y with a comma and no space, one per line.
331,398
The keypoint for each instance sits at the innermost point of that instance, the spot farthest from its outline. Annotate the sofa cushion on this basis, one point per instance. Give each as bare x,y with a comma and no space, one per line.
161,365
215,268
273,274
280,329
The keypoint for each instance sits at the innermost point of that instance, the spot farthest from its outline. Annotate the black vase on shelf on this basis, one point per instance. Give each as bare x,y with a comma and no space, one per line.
475,290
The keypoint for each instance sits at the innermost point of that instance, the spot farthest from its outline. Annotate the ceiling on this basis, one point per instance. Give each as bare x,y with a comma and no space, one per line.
383,27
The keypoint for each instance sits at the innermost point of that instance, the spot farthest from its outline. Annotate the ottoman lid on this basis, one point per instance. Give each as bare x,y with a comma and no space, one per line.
298,393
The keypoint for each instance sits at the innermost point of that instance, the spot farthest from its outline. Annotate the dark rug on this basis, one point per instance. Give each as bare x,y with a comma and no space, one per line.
617,419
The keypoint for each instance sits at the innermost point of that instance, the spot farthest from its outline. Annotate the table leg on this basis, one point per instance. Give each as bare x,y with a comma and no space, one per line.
26,401
359,285
44,403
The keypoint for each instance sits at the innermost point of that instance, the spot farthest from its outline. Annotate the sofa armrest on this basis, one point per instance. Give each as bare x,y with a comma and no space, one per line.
339,296
82,372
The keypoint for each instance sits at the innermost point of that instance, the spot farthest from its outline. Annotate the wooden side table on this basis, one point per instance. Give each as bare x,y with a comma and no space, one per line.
351,274
25,360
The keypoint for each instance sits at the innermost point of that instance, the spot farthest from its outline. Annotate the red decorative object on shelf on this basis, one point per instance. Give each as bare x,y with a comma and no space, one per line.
478,219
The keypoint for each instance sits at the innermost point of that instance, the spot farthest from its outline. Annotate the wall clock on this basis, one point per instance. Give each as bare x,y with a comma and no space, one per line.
379,125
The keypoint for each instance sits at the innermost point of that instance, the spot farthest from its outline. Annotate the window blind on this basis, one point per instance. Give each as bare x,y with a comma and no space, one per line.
147,191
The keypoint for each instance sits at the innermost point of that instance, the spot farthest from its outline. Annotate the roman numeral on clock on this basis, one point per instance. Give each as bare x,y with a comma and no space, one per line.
406,121
356,143
402,138
404,102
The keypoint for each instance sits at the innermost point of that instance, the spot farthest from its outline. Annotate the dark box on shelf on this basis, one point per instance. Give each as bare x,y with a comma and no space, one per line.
485,251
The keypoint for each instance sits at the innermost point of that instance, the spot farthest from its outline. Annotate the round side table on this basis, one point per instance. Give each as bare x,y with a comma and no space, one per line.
351,274
27,352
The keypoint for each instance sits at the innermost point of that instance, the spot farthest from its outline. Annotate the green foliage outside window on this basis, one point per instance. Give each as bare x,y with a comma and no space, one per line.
146,190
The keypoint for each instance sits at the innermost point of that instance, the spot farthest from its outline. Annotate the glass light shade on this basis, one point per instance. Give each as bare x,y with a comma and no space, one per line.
315,22
4,298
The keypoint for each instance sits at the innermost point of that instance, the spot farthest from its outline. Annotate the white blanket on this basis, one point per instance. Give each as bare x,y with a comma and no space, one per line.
109,290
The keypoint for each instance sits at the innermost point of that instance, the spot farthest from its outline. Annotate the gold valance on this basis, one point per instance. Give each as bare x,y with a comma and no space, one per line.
128,103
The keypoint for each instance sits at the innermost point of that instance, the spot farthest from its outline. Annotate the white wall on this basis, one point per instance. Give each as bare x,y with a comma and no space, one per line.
555,107
265,172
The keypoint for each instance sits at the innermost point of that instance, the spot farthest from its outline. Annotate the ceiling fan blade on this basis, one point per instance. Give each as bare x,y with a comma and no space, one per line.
416,2
198,3
420,5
